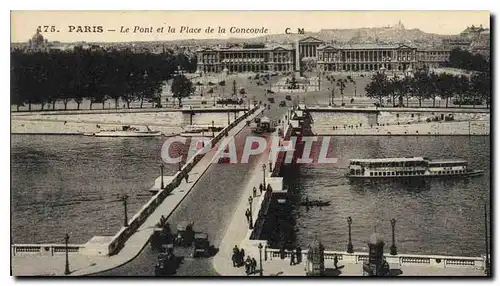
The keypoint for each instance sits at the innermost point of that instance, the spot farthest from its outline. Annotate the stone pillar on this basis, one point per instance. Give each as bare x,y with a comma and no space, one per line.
315,263
376,265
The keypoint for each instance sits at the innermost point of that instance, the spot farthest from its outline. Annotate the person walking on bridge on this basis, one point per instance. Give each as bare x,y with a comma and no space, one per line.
261,188
292,258
187,177
236,253
247,215
255,192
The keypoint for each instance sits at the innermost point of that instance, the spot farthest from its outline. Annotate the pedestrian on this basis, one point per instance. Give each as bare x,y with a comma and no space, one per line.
247,215
292,258
242,253
187,177
282,252
234,258
261,188
248,264
298,250
254,265
335,262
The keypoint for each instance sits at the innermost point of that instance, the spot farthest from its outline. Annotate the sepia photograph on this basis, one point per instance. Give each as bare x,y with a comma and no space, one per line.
250,143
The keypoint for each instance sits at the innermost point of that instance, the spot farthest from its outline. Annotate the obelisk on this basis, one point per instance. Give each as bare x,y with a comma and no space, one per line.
297,58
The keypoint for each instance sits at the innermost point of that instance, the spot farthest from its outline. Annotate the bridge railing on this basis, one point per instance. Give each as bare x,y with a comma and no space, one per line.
138,219
442,261
45,249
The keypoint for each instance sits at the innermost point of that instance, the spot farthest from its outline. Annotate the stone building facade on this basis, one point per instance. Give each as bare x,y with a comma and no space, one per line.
326,57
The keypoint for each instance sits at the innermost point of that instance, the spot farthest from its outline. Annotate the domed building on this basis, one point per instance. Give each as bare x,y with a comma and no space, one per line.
37,42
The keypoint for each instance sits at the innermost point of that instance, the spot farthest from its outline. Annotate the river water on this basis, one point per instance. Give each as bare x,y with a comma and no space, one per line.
437,216
70,184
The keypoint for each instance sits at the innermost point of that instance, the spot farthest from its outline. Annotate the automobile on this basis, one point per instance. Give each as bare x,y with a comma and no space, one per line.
202,247
271,99
185,234
269,91
288,97
161,235
166,264
283,103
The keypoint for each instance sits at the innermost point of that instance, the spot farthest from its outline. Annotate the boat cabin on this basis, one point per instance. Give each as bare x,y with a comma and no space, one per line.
403,167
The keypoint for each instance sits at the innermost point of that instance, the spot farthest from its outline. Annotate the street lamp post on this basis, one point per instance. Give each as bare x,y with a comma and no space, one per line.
250,200
260,258
264,173
213,132
394,250
228,120
125,219
349,244
161,176
66,268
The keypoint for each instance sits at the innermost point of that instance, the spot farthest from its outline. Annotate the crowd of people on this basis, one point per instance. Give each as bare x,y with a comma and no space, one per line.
239,260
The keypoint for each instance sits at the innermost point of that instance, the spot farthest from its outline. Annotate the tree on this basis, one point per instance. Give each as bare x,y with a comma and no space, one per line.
444,86
181,87
408,85
462,88
432,87
422,85
396,89
481,86
378,87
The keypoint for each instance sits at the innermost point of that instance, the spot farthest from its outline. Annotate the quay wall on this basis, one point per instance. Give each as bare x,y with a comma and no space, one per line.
399,121
167,121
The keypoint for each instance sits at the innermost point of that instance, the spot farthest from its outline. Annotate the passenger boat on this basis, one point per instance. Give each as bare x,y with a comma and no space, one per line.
126,131
408,167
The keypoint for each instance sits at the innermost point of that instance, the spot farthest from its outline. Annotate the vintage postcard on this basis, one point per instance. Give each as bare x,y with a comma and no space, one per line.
245,143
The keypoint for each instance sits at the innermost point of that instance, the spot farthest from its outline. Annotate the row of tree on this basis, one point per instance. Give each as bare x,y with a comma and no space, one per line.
462,59
45,78
467,90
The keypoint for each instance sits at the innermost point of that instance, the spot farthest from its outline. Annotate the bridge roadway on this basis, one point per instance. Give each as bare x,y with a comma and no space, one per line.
208,205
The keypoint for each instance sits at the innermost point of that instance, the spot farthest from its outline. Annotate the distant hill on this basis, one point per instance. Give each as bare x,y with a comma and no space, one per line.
382,35
386,35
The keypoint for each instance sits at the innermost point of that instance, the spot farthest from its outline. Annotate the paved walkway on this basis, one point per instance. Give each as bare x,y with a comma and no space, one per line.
278,267
36,264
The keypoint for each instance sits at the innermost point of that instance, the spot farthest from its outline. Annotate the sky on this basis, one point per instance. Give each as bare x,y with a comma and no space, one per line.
150,23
